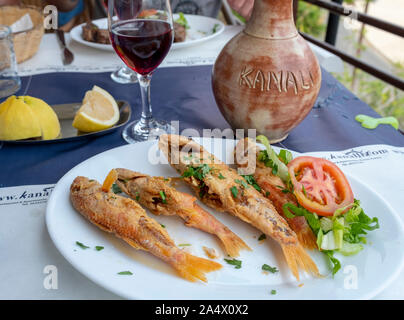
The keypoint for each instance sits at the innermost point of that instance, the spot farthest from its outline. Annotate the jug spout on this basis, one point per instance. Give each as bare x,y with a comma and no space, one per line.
272,19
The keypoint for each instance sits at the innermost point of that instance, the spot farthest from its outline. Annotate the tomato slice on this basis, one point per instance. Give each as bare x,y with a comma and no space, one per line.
319,185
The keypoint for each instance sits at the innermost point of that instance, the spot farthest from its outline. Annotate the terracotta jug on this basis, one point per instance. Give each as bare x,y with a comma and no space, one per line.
267,77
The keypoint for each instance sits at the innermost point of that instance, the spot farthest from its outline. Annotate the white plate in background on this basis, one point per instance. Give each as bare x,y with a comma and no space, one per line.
201,30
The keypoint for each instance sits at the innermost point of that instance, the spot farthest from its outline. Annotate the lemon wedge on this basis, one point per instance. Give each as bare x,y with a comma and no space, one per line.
99,111
27,117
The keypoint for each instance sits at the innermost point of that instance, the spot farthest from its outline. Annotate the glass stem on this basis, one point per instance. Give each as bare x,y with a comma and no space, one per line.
147,117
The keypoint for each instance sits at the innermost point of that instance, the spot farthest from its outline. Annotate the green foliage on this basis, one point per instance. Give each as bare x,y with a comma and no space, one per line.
311,19
383,98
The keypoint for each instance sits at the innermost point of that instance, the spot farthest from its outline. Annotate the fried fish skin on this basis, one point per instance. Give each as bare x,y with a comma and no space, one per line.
148,191
127,220
273,186
216,188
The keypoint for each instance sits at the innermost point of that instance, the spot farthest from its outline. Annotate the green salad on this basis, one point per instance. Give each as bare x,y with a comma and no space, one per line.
327,203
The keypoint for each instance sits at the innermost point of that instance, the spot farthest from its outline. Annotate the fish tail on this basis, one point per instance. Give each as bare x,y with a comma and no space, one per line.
297,258
194,268
307,239
232,243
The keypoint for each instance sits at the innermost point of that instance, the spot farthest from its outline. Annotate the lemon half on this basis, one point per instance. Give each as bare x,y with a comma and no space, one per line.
27,117
99,111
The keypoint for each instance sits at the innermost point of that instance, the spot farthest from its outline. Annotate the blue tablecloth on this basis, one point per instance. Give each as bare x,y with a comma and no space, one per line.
182,94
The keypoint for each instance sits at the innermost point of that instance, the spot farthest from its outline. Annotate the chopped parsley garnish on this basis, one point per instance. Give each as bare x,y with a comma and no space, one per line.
215,27
163,225
221,177
99,248
262,237
273,292
284,190
234,191
125,273
267,194
82,246
137,196
242,183
236,263
202,193
250,180
198,172
268,268
116,189
163,197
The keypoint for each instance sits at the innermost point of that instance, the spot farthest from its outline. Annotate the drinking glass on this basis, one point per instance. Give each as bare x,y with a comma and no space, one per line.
142,34
9,80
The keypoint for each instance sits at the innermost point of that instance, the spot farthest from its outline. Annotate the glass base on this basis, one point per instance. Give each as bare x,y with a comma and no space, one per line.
9,86
124,75
137,131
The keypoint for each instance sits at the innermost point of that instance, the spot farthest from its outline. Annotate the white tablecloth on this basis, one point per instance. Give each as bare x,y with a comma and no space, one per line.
26,248
87,59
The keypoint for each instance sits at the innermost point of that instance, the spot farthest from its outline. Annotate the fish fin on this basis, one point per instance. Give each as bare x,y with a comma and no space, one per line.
194,268
126,174
134,244
102,227
307,239
232,243
297,258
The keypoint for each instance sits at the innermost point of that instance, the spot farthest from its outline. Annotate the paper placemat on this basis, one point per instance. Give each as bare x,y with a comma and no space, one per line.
87,59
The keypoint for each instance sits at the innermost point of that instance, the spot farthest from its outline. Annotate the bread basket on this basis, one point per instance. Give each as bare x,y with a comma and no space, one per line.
26,43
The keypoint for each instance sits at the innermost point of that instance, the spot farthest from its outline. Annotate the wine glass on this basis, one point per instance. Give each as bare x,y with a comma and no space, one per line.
124,75
142,34
126,10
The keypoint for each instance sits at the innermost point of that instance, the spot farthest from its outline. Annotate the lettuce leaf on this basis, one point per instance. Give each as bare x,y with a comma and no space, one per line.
358,223
350,249
182,20
328,242
342,233
326,224
290,211
278,167
336,264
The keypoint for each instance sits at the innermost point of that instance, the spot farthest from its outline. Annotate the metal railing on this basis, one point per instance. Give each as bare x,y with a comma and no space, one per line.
336,10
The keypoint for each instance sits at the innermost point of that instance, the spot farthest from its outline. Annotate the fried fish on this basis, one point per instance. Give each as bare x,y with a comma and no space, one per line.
223,189
157,195
127,220
274,188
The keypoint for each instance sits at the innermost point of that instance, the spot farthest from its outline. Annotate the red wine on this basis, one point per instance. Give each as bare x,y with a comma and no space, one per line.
142,44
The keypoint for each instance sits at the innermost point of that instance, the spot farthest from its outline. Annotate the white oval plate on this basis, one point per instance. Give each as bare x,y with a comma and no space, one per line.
201,30
371,270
